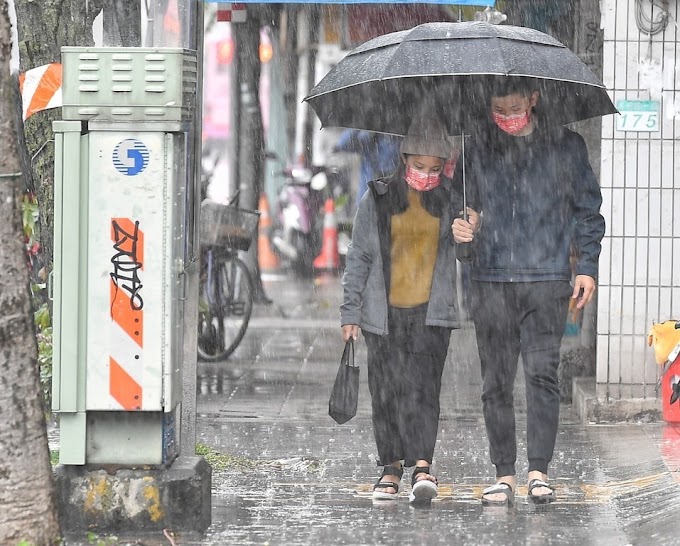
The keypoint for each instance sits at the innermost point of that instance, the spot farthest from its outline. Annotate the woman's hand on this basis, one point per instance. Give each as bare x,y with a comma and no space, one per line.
464,231
350,331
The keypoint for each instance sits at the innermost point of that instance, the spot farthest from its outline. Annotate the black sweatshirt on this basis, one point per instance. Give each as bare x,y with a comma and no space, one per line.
539,198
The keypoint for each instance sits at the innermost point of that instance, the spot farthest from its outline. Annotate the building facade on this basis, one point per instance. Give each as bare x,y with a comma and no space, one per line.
639,282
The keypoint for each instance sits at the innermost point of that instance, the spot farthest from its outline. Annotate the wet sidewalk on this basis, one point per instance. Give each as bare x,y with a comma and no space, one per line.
285,474
295,477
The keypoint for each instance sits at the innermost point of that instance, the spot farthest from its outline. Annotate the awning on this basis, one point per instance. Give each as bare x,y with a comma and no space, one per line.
489,3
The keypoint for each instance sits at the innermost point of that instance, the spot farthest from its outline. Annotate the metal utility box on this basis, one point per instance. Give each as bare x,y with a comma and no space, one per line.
121,228
129,84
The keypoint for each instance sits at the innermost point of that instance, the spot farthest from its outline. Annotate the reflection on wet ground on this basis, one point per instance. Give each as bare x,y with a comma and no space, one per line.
615,483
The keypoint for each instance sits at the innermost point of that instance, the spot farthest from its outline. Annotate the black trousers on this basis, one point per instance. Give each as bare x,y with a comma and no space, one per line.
404,377
526,318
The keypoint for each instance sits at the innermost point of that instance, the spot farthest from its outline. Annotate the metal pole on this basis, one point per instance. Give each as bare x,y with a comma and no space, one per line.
150,14
463,250
302,85
235,131
192,267
462,157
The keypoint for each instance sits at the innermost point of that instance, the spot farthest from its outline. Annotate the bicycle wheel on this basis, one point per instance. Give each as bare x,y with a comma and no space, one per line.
228,304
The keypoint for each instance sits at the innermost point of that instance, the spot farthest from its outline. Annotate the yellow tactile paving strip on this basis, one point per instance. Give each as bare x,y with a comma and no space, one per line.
585,493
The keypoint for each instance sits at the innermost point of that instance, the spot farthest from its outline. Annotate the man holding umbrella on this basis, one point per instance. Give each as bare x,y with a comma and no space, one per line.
538,198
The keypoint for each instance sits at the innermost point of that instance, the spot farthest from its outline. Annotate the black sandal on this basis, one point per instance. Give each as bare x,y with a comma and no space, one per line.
379,492
423,489
541,499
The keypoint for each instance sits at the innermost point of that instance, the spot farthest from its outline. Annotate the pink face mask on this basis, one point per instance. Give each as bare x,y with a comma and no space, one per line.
512,124
421,181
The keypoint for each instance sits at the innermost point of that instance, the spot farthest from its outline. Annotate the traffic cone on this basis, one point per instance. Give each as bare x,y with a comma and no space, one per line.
329,258
266,257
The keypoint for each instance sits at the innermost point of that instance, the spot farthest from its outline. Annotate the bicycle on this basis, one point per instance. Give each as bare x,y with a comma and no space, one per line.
225,286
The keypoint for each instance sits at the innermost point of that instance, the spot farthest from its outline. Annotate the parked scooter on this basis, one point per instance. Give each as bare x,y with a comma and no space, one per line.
299,215
296,235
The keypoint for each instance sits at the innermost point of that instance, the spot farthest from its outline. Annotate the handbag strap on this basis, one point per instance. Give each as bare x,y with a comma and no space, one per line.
348,354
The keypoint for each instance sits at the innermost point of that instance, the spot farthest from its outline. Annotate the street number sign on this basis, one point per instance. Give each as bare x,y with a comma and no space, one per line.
638,115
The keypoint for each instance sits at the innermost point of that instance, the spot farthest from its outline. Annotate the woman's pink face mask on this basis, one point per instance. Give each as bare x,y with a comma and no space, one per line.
421,181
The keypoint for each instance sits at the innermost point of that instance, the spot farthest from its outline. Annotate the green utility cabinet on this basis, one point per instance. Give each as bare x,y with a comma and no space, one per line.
123,224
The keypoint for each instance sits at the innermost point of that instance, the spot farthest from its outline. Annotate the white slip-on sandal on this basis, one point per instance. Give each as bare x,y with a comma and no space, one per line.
423,489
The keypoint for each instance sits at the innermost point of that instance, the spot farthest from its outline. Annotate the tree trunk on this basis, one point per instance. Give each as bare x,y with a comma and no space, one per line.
250,163
43,28
27,503
123,23
290,64
312,44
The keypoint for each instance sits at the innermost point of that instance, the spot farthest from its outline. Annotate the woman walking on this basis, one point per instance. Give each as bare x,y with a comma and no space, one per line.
399,289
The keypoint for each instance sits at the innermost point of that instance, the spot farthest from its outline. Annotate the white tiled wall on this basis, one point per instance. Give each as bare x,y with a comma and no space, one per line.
640,178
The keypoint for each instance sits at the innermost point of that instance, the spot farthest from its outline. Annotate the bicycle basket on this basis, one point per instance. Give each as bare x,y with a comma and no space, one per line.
227,225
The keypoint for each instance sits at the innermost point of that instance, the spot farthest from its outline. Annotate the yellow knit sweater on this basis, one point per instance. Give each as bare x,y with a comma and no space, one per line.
415,239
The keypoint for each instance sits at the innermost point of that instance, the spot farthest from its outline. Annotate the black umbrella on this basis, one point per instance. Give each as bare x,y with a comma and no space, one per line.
382,83
379,85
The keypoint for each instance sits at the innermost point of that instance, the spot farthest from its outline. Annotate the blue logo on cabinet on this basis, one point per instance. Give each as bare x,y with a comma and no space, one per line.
130,157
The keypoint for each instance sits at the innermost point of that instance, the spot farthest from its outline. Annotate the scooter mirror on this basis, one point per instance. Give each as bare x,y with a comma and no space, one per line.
319,181
301,175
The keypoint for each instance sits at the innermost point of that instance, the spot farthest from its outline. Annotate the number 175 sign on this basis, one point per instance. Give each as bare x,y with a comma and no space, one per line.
637,115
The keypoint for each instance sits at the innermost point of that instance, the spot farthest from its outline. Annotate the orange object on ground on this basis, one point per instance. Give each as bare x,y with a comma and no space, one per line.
670,381
266,257
329,258
664,337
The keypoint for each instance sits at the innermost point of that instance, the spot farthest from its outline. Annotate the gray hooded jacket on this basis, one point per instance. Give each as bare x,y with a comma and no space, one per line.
366,276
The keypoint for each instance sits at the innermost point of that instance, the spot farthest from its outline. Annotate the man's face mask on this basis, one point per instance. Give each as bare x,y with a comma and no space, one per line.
512,124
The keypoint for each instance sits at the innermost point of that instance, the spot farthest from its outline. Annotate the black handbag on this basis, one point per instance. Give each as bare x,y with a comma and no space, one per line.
344,399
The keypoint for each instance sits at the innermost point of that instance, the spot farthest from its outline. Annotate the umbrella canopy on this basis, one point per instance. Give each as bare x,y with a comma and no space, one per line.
379,85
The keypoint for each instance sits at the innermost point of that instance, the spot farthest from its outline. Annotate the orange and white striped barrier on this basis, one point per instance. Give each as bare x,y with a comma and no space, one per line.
40,88
127,315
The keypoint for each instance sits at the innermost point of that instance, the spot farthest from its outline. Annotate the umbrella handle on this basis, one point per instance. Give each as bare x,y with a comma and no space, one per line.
464,250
